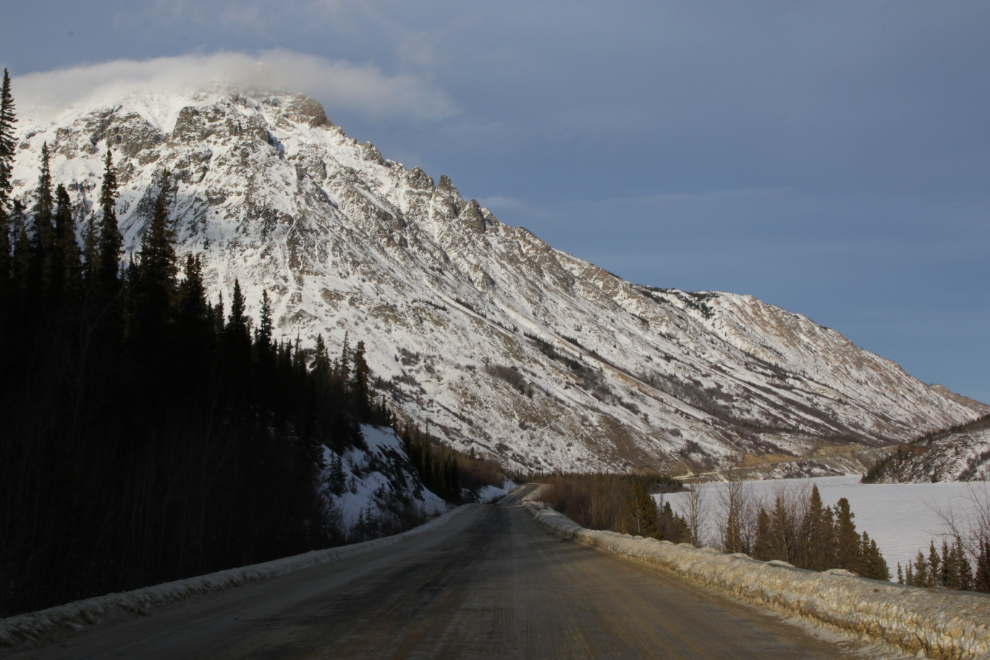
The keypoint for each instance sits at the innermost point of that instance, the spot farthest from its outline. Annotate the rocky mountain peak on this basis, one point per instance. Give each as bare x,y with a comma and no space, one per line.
501,342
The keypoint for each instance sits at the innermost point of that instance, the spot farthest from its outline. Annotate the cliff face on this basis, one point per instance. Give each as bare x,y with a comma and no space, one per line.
501,342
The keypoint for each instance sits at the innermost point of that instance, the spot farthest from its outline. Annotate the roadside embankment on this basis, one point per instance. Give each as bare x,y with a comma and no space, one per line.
56,622
941,624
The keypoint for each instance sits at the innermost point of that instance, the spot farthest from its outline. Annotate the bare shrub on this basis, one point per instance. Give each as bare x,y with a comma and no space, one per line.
510,375
697,511
596,501
736,509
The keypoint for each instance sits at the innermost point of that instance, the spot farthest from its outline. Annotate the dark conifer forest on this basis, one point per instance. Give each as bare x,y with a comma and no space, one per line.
149,433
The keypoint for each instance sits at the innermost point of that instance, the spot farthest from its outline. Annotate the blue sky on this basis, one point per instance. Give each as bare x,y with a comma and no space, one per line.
827,157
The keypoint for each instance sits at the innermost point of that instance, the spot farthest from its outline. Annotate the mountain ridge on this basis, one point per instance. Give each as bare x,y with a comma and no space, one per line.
497,340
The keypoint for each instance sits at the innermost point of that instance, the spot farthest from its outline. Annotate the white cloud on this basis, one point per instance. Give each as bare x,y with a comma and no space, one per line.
337,84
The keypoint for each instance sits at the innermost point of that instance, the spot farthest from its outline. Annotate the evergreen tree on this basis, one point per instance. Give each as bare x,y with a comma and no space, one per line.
44,237
981,576
156,280
848,549
763,545
6,256
360,381
816,535
673,527
109,246
920,574
321,361
44,204
965,572
61,265
22,262
344,368
194,321
264,333
874,565
237,320
948,570
639,513
218,317
7,144
934,566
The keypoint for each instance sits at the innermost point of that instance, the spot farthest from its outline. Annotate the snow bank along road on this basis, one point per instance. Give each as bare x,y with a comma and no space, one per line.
491,583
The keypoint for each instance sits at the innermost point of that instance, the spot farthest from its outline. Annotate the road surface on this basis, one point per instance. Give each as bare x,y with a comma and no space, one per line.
491,583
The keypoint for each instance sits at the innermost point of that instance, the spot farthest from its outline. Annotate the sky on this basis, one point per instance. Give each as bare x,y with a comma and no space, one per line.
831,158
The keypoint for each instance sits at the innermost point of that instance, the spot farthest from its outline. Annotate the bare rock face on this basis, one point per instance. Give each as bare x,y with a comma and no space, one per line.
499,341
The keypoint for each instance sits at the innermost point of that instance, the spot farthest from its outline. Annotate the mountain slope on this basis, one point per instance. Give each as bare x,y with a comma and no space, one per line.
480,329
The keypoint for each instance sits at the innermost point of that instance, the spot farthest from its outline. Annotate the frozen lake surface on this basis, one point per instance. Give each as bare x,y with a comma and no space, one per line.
901,518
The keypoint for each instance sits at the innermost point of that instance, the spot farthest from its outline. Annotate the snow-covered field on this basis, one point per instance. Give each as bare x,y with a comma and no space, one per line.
901,518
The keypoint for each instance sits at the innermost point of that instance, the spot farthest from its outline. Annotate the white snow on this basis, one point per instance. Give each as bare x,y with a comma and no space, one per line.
901,518
367,489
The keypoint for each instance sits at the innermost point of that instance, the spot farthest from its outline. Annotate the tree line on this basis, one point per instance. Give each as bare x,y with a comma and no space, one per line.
792,528
617,502
949,569
149,433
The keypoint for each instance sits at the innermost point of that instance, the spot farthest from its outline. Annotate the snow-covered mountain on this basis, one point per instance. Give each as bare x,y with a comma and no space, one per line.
500,342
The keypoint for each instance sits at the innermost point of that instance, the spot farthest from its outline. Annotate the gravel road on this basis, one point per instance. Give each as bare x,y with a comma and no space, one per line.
491,583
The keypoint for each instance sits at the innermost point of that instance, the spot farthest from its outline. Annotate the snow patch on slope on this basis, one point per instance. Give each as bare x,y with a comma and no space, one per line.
608,375
374,480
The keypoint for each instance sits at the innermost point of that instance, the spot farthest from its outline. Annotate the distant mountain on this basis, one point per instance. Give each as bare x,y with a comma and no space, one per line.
972,404
958,454
481,330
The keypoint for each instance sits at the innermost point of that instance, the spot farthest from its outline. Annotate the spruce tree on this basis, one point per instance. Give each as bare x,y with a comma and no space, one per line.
90,251
321,362
194,323
965,572
639,513
44,203
44,238
814,539
264,333
6,257
981,575
763,545
848,549
109,245
236,320
934,566
60,266
360,380
22,263
874,565
156,281
920,574
344,368
949,573
7,144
